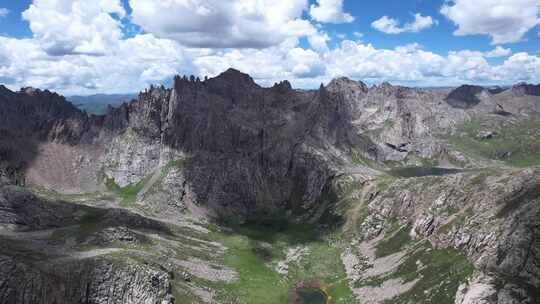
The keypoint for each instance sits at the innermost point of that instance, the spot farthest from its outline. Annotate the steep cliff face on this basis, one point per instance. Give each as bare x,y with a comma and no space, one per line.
31,117
250,149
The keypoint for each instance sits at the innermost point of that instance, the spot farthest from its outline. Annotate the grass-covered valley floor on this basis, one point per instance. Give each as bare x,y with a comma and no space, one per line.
250,263
273,261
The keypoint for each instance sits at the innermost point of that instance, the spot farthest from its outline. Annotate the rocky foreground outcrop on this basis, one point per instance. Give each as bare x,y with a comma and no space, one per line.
492,217
38,267
97,281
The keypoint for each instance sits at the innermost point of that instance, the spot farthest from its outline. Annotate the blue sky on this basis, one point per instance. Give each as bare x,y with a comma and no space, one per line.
437,39
76,46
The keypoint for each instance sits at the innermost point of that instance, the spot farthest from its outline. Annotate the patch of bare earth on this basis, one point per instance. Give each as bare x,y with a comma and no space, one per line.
65,168
362,264
388,290
206,295
207,271
294,255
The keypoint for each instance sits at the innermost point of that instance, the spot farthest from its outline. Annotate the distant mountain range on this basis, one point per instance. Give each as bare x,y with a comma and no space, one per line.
97,104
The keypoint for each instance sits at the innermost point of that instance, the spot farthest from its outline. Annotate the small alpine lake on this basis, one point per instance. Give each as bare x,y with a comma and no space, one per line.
311,296
408,172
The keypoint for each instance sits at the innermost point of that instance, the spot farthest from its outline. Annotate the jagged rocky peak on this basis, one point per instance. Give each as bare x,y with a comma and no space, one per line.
180,81
232,77
4,89
235,75
42,94
231,83
5,93
30,91
46,98
155,88
283,86
386,85
154,93
344,83
465,96
526,89
390,90
44,105
496,90
31,116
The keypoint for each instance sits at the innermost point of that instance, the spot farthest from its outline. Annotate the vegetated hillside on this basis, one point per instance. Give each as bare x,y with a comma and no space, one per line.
222,191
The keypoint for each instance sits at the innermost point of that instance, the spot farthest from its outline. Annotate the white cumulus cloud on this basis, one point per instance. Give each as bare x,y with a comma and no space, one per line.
499,51
506,21
522,67
330,11
134,64
306,63
223,24
75,26
392,26
65,58
319,41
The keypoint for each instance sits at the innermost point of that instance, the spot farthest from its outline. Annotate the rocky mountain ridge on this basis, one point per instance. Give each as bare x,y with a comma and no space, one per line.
224,151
